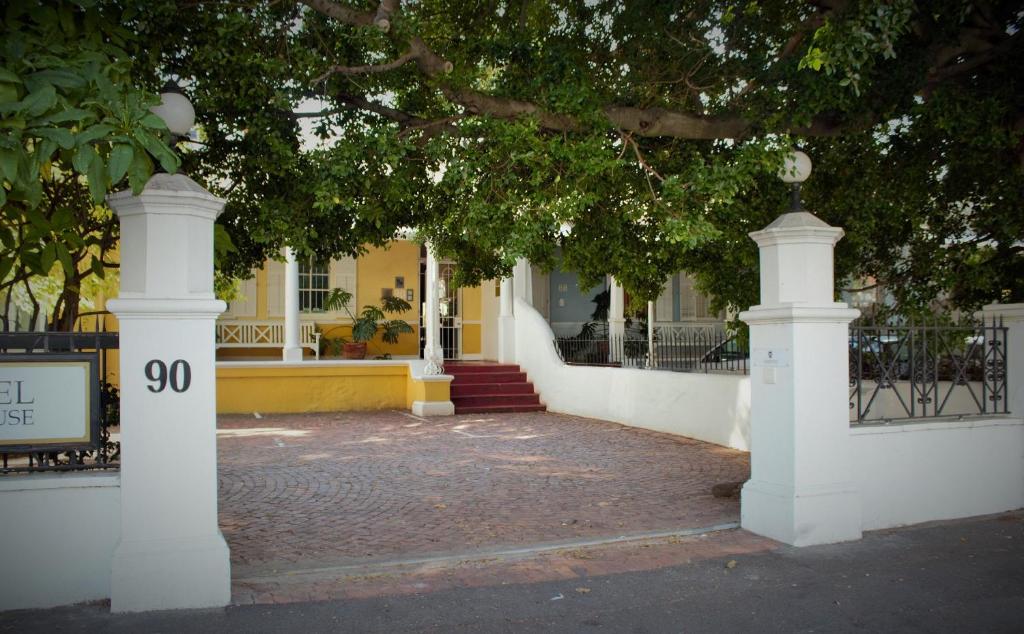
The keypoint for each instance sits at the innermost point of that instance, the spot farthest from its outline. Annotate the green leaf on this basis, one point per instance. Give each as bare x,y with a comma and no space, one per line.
47,257
39,101
9,164
8,77
7,261
61,77
120,159
139,171
94,132
65,115
83,158
65,260
97,180
97,267
60,136
168,160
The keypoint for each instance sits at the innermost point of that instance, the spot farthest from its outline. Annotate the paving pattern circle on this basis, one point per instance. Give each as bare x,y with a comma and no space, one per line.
314,490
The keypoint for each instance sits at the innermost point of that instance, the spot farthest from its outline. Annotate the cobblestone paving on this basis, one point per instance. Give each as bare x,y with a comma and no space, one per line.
307,491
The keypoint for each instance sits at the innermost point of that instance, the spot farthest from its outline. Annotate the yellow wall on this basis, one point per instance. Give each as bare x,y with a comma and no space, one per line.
376,270
319,388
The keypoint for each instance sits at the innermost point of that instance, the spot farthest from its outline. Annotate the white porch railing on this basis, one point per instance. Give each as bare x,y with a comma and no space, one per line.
264,334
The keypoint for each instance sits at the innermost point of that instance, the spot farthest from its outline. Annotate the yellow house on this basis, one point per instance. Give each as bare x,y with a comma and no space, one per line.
253,326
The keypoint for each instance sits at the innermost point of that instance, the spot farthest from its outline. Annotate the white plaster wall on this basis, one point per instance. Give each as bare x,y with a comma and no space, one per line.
710,407
59,532
923,471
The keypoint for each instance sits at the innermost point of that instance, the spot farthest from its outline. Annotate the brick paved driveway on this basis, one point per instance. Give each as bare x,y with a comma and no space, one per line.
330,489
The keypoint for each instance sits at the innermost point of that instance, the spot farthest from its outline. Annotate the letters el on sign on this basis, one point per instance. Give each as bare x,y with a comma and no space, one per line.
49,401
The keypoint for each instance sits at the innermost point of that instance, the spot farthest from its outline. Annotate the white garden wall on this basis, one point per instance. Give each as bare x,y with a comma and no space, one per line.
710,407
59,532
923,471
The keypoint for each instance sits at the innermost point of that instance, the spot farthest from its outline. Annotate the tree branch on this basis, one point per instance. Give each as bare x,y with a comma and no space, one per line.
365,69
340,12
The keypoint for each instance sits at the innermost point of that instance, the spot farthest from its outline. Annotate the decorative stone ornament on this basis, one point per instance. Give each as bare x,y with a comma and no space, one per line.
171,553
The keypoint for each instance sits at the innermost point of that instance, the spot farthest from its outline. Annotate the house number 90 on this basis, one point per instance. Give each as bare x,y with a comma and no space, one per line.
178,376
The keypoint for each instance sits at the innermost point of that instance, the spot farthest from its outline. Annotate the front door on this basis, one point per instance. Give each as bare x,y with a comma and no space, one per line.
451,317
450,307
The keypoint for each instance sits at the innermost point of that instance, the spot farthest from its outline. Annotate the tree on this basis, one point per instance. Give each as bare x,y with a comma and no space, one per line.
72,126
641,137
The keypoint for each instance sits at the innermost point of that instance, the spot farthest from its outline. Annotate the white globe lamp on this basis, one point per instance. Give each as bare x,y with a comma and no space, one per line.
176,110
795,170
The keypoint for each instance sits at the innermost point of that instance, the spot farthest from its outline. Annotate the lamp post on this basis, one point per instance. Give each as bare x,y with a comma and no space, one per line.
795,170
801,489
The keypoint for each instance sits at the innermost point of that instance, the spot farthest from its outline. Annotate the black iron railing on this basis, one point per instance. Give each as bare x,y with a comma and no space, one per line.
106,454
927,371
696,350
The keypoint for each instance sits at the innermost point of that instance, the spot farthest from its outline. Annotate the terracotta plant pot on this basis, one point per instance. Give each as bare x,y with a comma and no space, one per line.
354,350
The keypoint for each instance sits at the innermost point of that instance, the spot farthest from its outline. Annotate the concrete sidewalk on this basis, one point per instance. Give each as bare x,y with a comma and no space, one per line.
961,576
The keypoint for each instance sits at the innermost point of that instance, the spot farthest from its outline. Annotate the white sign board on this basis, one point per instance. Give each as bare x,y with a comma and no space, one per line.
46,402
769,357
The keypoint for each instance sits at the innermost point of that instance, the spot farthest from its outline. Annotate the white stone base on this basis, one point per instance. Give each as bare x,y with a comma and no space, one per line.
823,515
291,354
171,574
433,408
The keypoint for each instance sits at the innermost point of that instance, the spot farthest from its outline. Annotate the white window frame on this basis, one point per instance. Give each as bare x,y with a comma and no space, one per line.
314,284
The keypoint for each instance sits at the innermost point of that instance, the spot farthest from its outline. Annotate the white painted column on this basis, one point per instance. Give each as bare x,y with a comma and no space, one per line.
800,490
1012,316
432,351
651,361
522,281
616,320
171,553
292,351
506,324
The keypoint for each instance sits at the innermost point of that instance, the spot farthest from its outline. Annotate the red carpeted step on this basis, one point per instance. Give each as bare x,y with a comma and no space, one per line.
495,399
458,369
489,377
482,388
475,389
500,409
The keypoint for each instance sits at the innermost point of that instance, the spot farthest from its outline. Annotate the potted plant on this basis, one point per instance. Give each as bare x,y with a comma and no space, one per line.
369,321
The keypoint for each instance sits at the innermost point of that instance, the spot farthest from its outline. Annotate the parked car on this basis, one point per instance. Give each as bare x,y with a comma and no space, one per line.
728,352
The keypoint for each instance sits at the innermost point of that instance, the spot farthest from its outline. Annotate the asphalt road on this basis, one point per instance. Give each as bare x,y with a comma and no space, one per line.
963,576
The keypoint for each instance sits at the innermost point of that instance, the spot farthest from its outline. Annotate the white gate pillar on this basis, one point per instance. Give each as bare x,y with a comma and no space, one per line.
506,324
171,553
800,490
433,353
292,351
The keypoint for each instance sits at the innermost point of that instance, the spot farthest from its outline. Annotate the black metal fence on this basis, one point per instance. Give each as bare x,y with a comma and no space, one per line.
696,350
927,371
106,454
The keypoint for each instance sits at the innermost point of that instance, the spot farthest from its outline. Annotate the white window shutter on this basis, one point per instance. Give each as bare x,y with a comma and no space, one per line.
342,274
245,304
687,298
663,305
275,288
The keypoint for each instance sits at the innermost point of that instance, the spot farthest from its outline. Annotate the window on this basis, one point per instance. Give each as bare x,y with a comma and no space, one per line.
313,286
